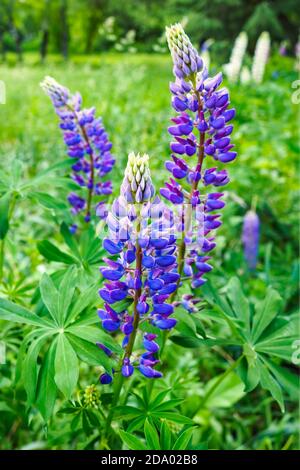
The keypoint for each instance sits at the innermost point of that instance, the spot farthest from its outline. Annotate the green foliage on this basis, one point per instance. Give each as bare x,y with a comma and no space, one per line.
61,333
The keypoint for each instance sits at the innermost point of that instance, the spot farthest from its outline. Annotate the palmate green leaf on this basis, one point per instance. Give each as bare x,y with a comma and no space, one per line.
48,201
47,390
4,215
165,436
159,398
170,416
290,382
127,412
131,441
265,312
66,366
15,313
65,293
151,436
183,440
49,295
137,423
86,298
167,405
280,347
30,366
45,177
89,352
269,383
52,253
240,304
185,324
94,335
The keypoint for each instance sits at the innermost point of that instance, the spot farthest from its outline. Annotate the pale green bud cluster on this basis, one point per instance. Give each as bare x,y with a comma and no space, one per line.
185,57
137,185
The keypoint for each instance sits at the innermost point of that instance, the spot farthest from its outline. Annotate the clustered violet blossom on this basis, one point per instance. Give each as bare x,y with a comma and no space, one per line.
250,238
202,109
88,145
143,270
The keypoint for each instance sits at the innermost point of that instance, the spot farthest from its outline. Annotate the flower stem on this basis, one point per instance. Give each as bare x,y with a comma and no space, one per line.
182,246
211,390
87,140
130,345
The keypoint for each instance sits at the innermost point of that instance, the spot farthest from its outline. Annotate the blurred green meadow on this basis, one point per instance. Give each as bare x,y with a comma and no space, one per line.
131,93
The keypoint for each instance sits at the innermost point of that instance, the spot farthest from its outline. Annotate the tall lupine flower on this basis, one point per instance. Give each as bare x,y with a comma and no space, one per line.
261,55
88,146
250,239
233,68
143,270
245,75
201,131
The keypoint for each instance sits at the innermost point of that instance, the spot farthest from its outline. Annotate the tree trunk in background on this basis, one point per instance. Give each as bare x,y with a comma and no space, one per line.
65,29
2,47
45,32
44,44
18,39
96,8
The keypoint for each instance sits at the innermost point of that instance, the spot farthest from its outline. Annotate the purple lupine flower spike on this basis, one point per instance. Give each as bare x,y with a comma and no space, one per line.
201,133
88,145
250,239
144,269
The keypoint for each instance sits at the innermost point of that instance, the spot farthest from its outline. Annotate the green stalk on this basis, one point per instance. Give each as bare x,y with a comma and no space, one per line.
182,246
218,382
129,348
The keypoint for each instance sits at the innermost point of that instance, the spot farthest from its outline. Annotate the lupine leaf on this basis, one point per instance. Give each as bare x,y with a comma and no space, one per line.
269,383
265,312
239,302
4,211
165,436
65,293
131,441
48,201
127,412
15,313
30,366
47,390
183,440
151,435
86,298
170,416
49,296
290,382
52,253
95,335
89,352
66,366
